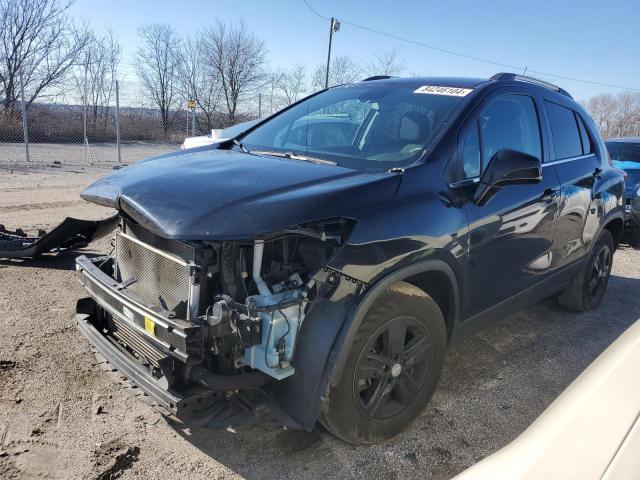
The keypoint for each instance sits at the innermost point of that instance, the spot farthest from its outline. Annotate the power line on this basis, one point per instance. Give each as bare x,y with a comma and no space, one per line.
464,55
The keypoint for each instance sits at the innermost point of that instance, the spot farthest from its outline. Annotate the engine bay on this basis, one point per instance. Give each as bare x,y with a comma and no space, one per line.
247,298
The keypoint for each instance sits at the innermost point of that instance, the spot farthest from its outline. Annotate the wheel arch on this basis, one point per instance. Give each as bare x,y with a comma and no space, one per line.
434,276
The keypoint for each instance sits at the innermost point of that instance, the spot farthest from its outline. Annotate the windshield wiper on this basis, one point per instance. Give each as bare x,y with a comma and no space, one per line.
239,144
293,156
306,158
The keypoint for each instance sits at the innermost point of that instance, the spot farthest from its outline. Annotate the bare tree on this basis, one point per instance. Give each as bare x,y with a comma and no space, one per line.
286,86
39,41
272,82
343,70
157,66
616,116
98,74
199,82
386,62
602,109
291,84
628,113
238,59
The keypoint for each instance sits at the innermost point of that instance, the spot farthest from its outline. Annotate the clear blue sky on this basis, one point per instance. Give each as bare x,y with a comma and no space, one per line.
588,39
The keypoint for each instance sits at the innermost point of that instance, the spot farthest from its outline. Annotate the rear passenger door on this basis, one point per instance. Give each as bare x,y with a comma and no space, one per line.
578,167
510,237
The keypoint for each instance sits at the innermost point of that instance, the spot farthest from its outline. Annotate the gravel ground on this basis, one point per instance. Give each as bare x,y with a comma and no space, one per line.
61,417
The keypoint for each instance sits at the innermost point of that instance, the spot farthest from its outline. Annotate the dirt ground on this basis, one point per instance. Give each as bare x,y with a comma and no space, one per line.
62,417
78,154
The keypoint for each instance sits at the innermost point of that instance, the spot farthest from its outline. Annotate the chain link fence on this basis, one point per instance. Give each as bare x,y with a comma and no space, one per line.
117,124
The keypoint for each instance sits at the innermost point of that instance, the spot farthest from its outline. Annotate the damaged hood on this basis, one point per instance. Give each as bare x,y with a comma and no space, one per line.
213,194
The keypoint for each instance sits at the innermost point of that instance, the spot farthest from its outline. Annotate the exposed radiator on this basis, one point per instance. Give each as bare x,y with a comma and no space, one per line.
162,279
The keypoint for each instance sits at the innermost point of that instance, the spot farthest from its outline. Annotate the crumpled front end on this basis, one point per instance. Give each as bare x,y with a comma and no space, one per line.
195,325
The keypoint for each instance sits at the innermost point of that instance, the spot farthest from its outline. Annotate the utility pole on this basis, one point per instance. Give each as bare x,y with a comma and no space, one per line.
333,27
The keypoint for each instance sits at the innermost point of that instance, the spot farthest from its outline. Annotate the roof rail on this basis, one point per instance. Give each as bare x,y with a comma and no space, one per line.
377,77
523,78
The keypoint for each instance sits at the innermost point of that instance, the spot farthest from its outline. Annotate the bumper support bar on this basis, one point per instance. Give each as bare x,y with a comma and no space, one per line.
134,372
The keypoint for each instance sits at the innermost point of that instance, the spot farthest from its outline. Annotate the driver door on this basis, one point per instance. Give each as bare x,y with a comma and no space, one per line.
510,236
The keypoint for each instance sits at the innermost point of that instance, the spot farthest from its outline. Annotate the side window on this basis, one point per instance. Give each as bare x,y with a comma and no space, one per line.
510,122
584,136
564,128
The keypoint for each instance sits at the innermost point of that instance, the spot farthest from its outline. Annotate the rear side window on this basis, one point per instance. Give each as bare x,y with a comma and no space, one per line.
564,128
510,121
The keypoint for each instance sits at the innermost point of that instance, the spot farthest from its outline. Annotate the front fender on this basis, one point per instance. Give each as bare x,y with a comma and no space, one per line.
328,332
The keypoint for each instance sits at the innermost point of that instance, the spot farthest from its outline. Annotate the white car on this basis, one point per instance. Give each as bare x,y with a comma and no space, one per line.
218,135
591,431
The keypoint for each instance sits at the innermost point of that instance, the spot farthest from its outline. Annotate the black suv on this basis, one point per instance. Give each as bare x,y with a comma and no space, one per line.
321,263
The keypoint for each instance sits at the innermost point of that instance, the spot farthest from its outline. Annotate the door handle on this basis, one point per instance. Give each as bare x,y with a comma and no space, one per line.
597,173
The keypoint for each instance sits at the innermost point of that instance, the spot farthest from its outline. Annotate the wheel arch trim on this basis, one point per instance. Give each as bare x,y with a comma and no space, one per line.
615,216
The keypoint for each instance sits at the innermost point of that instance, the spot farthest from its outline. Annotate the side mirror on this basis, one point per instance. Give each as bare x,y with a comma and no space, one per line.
507,167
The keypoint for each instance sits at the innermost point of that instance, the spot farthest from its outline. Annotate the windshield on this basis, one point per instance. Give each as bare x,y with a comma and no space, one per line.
624,154
366,127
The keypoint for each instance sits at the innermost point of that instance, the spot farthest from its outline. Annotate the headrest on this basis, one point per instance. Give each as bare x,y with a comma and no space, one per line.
412,126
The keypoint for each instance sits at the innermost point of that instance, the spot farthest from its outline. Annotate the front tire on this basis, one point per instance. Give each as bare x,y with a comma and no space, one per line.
392,369
587,290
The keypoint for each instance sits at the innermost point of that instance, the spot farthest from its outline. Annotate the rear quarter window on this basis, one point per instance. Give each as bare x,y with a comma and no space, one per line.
584,136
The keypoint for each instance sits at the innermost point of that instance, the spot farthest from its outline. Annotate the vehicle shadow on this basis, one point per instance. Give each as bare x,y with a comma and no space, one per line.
493,386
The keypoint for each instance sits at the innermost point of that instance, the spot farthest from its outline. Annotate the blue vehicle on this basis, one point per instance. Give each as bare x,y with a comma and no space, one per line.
319,264
625,155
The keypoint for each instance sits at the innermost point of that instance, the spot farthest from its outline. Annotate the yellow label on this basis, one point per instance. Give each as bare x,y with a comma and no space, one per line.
149,326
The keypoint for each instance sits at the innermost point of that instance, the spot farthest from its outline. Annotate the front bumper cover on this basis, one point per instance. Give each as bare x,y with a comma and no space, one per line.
72,233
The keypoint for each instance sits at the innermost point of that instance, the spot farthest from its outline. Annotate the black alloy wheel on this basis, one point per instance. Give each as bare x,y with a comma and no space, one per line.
587,289
600,270
392,367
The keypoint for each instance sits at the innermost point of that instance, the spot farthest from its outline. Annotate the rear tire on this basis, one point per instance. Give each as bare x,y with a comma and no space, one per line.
392,369
587,290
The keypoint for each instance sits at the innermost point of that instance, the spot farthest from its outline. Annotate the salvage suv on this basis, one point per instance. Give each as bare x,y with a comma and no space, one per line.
318,265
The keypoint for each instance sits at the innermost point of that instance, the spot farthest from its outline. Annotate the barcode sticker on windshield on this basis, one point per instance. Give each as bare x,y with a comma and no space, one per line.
438,90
